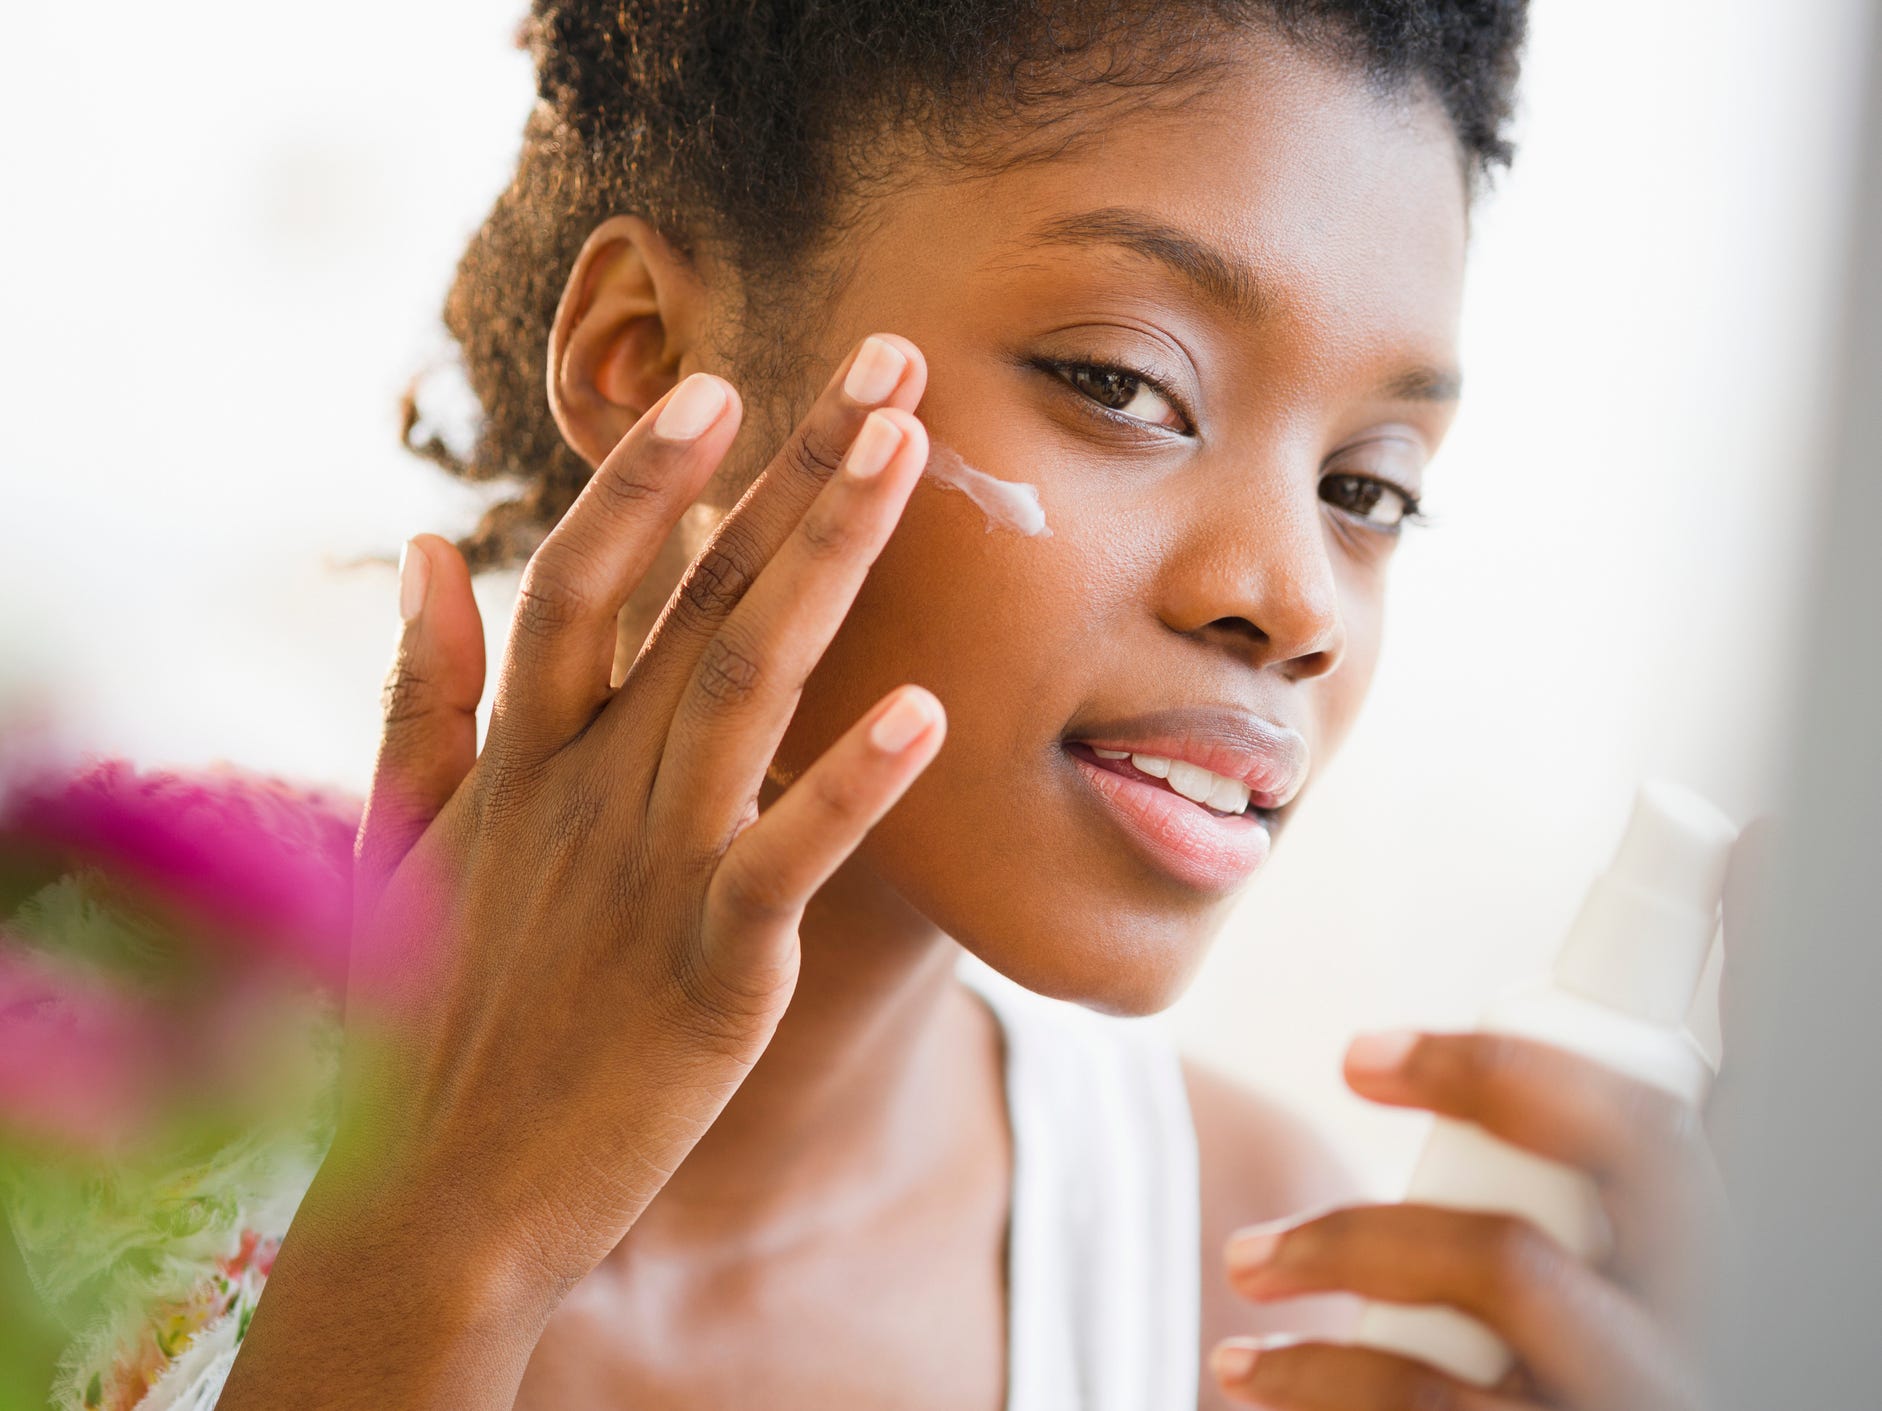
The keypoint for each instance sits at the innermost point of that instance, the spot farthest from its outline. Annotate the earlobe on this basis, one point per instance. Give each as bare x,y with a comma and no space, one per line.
628,318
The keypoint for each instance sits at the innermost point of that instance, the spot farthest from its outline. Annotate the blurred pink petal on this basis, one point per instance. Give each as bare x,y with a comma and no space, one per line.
78,1057
264,863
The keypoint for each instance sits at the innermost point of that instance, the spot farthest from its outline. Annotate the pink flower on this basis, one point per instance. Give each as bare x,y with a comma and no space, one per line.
196,914
77,1055
256,862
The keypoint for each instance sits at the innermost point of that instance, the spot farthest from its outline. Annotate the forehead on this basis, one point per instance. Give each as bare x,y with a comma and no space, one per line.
1304,197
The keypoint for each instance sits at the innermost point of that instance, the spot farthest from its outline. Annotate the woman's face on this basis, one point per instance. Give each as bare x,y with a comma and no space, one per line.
1278,263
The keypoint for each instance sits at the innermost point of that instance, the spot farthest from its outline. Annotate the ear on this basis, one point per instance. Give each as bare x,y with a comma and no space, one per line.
630,315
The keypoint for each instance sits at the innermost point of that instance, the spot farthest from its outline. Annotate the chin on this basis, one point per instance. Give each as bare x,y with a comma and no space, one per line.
1129,968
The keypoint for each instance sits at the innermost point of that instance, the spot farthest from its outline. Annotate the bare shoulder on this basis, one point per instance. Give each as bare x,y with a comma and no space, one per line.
1259,1161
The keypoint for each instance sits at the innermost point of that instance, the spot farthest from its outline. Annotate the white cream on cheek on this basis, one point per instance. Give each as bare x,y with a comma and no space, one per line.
1007,504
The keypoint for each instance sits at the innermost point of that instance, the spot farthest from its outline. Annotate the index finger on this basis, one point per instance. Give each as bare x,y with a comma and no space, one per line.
560,655
1645,1147
1539,1096
884,370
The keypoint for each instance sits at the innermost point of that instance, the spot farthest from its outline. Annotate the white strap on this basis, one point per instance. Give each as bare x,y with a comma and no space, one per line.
1104,1276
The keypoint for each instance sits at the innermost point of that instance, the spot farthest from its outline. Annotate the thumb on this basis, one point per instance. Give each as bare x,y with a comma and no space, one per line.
429,739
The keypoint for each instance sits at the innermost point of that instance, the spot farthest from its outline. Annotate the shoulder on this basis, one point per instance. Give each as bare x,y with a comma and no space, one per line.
1258,1160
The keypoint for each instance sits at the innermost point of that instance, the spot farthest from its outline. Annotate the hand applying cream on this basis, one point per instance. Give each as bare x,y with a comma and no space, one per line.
1008,504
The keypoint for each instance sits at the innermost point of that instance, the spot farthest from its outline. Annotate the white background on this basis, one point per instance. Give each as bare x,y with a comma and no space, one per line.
228,228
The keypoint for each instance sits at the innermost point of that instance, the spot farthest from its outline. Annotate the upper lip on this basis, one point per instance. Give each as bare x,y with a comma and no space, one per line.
1235,743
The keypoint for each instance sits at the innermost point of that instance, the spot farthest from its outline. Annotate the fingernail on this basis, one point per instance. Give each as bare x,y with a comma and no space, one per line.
1234,1361
898,726
1383,1052
873,446
414,580
878,367
693,407
1254,1247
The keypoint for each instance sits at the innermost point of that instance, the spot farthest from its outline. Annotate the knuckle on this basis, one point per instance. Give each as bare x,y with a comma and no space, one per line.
716,581
1461,1064
718,1017
713,846
548,600
826,534
840,795
812,456
1518,1260
748,896
1310,1244
405,697
728,674
505,791
1288,1371
620,489
1432,1064
1491,1058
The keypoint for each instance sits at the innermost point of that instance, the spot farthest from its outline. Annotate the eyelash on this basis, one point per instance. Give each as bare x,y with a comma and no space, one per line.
1414,513
1058,367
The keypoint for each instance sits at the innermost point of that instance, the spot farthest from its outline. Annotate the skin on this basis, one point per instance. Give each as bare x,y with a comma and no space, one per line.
678,827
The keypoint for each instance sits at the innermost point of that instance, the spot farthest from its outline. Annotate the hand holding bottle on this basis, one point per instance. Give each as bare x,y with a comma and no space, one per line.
1615,1327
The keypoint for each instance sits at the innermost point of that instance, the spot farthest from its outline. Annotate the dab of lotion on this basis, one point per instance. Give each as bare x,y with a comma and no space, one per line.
1007,504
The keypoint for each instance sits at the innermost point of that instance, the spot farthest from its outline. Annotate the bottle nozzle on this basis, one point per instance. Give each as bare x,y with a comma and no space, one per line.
1676,844
1642,937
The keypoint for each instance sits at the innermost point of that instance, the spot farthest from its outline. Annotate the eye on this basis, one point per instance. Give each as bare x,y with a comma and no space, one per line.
1123,391
1377,503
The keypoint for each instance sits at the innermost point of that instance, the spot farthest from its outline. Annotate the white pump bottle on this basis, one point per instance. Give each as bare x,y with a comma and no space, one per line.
1621,987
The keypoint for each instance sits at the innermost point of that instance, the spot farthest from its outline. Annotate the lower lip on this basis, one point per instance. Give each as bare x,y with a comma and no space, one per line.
1204,850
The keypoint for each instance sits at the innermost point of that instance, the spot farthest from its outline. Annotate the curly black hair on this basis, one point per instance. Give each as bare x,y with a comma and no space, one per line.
733,124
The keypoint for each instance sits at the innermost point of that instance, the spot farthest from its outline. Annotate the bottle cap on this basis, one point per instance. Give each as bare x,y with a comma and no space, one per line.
1642,936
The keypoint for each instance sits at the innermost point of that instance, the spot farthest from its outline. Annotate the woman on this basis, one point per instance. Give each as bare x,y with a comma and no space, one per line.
665,1087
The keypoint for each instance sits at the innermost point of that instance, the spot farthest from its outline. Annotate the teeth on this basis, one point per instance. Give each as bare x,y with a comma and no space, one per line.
1192,781
1227,795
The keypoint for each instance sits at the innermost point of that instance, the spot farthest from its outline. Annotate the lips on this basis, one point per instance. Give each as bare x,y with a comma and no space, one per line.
1130,770
1204,851
1271,759
1202,847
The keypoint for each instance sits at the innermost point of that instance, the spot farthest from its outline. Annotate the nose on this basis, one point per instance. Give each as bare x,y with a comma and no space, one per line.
1253,574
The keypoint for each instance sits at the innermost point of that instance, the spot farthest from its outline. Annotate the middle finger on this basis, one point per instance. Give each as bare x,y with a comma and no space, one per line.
1644,1146
749,677
1583,1338
885,370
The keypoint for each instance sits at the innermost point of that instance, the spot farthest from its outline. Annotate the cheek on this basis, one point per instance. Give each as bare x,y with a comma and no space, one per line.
982,619
993,842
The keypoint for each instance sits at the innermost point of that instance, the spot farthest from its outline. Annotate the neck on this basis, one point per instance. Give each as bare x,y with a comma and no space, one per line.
853,1101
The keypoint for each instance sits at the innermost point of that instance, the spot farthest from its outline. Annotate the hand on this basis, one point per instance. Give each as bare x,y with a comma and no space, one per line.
1623,1335
607,927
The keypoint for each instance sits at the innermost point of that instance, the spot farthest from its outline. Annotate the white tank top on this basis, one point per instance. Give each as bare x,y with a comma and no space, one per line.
1103,1256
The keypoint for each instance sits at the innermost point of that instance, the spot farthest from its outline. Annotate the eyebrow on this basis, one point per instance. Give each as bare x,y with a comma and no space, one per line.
1221,277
